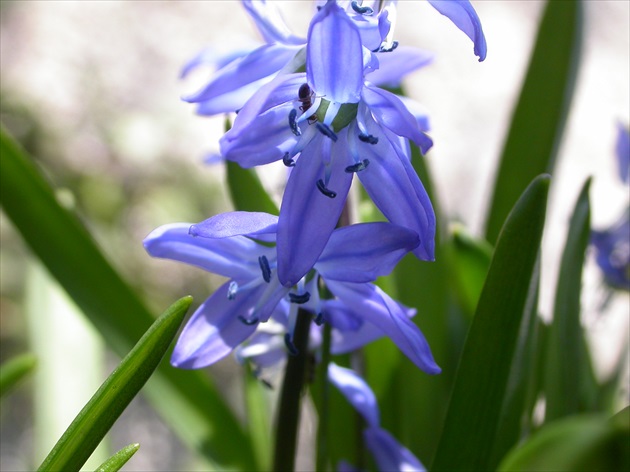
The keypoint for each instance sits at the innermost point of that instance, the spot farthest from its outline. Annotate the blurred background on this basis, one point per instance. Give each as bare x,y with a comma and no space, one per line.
91,90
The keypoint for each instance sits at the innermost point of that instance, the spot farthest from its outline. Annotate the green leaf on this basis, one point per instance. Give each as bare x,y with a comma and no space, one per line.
258,418
540,114
474,412
14,370
186,399
115,463
110,400
470,261
568,361
246,191
581,442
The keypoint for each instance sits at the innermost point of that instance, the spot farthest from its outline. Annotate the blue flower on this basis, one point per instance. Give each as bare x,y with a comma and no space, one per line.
327,124
226,245
387,452
241,73
612,252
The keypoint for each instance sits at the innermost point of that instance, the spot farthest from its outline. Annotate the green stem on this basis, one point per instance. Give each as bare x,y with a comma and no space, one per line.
289,410
322,429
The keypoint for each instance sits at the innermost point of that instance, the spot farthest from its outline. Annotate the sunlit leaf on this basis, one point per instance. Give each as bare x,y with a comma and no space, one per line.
115,462
539,117
474,412
89,427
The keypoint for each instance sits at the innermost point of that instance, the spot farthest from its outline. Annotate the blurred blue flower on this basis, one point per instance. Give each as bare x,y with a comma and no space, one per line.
339,126
612,246
224,244
388,453
612,252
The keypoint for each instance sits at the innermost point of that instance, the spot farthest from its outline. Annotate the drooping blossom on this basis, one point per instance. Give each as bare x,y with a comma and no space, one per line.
388,453
237,245
328,124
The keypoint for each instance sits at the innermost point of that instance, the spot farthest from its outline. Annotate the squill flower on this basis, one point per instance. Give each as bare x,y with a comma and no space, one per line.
388,453
328,124
228,244
240,74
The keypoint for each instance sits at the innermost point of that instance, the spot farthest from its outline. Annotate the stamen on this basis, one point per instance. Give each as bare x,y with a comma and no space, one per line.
368,138
287,160
264,267
292,124
319,319
326,131
361,10
393,46
248,322
290,346
299,298
232,290
359,166
322,188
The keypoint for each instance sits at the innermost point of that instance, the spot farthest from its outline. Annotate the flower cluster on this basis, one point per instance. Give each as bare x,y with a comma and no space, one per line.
316,104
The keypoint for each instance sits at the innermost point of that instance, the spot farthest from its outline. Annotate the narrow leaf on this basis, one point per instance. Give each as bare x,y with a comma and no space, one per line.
99,414
540,114
568,363
246,190
67,250
14,370
473,415
115,463
470,261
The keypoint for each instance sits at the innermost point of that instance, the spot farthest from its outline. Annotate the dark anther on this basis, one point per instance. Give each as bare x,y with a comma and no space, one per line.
319,319
264,267
326,131
248,322
322,188
238,111
368,138
299,299
359,166
287,160
361,10
389,49
294,127
290,346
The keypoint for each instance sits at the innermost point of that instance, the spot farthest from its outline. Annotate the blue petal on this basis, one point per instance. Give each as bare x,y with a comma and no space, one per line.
261,131
346,338
231,257
269,21
398,63
334,56
389,111
307,217
376,307
613,252
356,391
214,330
396,190
388,453
244,223
622,149
264,61
464,16
363,252
230,102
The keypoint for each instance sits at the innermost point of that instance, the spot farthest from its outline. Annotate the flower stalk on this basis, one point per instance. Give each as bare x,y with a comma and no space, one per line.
288,417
